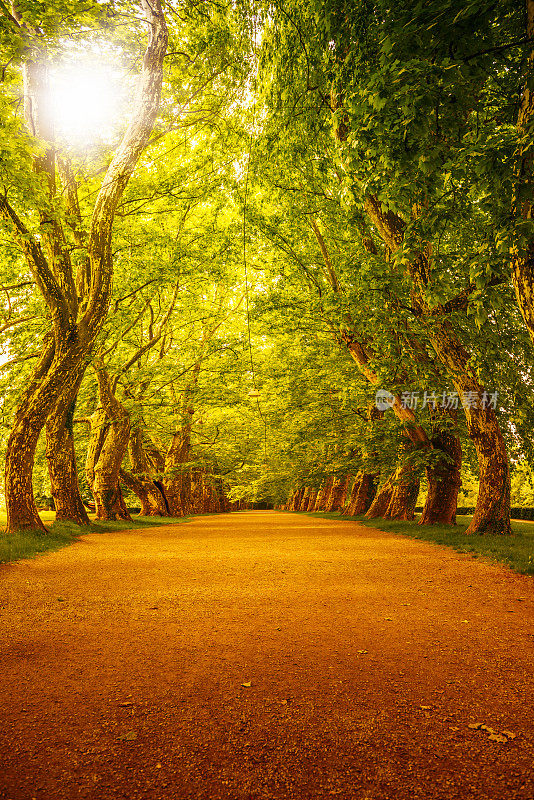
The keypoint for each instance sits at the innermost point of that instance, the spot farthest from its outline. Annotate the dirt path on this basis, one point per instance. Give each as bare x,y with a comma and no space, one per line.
368,655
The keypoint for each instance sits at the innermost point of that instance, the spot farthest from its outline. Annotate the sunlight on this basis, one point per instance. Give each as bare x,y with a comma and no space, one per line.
89,101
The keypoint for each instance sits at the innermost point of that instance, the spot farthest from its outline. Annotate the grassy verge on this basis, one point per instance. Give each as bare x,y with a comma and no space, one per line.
517,551
60,534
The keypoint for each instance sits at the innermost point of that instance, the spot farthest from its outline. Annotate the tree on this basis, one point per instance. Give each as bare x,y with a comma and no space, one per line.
77,304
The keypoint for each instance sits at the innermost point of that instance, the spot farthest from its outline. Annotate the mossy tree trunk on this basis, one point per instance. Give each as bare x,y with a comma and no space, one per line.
110,433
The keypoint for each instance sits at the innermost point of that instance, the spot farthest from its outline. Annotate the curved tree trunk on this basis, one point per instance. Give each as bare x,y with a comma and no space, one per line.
492,512
444,482
362,494
61,459
382,499
110,432
404,496
52,380
152,499
313,499
138,487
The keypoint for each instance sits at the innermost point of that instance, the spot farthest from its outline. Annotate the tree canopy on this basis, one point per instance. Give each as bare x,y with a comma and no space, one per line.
293,265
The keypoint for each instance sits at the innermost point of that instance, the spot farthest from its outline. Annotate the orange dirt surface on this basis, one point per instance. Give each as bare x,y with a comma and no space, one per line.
261,655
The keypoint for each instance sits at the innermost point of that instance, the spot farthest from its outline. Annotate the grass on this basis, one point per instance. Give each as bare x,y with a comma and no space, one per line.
60,534
516,551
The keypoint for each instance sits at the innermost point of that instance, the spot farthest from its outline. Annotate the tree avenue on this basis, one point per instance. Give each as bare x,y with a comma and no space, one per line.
294,266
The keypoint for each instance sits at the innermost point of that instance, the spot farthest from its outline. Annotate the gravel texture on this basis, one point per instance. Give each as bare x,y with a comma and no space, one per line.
261,655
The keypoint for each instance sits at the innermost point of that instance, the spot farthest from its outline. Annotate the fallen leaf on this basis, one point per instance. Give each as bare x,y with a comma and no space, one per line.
127,703
131,736
247,683
509,734
362,652
60,599
496,737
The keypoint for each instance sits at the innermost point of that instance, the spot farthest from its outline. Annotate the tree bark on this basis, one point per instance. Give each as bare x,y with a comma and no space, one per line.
305,499
337,494
444,482
403,498
152,499
313,499
62,464
362,494
492,512
138,487
295,500
522,254
324,494
52,379
110,433
382,499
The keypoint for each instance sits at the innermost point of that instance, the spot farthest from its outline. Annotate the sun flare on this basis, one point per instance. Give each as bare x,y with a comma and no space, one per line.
88,102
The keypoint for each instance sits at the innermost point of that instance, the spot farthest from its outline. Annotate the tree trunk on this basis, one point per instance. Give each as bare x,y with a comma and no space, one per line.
313,499
362,494
110,433
492,512
338,494
173,493
52,379
324,494
444,482
61,459
152,499
305,499
382,499
138,488
522,253
404,496
296,499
